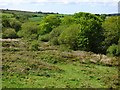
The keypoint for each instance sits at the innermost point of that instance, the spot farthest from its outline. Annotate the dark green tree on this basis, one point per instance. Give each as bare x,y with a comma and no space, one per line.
91,29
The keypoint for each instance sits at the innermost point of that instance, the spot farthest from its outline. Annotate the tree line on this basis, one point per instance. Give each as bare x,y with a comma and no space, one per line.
81,31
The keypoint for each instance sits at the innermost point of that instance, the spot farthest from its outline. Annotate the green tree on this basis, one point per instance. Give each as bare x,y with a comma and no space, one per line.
29,30
83,33
48,23
73,37
91,29
111,31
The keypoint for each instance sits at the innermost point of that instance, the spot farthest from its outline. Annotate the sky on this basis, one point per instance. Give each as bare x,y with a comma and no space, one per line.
62,6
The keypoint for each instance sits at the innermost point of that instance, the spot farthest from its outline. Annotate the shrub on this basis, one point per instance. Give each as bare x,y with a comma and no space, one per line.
64,47
54,41
44,38
113,50
34,46
9,33
29,29
15,24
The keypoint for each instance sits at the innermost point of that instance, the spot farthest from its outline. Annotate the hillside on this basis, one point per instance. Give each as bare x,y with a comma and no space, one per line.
52,67
52,50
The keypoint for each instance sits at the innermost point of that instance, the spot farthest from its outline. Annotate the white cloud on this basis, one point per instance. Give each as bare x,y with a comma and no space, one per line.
55,1
76,1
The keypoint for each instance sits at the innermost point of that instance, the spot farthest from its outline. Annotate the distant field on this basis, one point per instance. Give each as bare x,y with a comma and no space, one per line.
36,19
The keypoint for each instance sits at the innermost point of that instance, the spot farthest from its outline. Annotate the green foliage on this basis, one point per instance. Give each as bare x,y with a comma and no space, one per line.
103,17
35,19
44,28
91,29
67,20
9,33
34,46
8,15
84,34
5,22
82,43
48,23
54,41
69,36
64,47
22,17
113,50
111,32
55,33
29,29
85,16
44,38
73,37
15,24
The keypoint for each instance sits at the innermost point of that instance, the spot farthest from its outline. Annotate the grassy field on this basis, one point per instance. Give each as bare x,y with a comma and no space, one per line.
51,67
35,19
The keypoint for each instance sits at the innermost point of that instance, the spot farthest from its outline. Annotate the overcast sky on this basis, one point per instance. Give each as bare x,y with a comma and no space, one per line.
62,6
